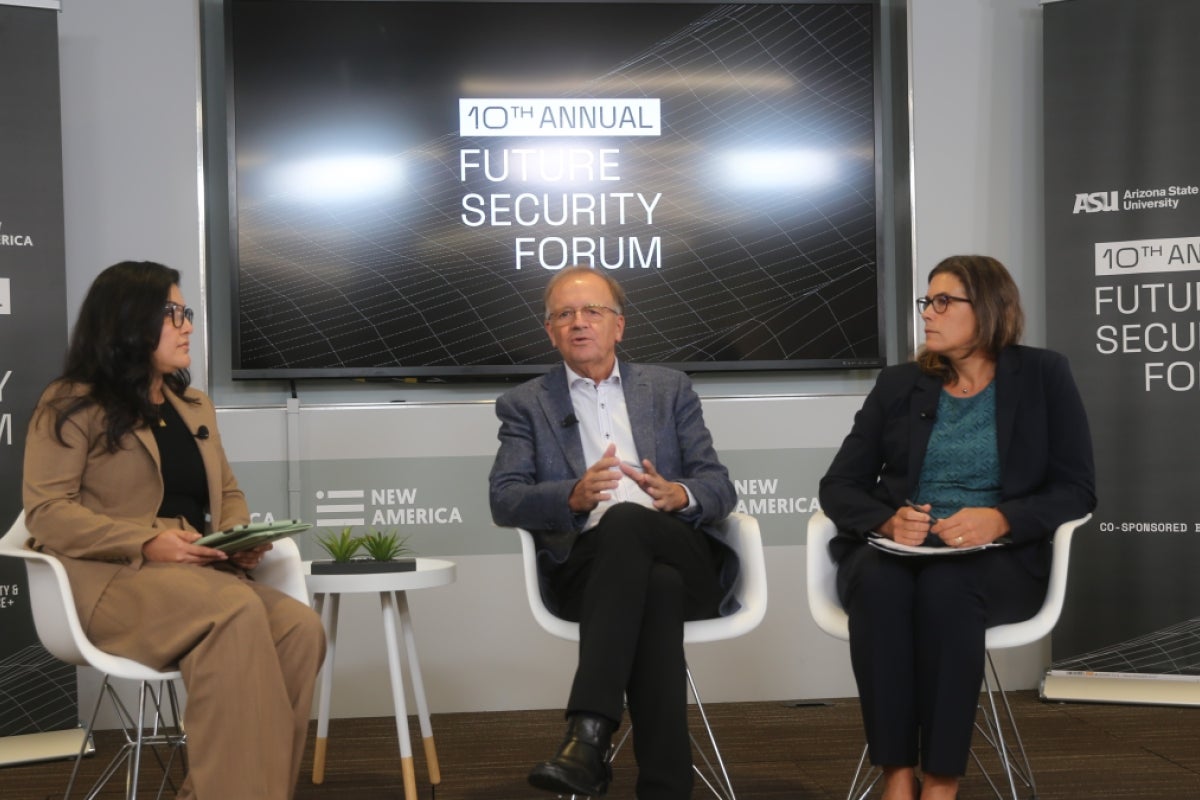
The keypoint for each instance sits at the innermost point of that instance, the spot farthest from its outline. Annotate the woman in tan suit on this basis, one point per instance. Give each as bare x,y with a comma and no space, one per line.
123,470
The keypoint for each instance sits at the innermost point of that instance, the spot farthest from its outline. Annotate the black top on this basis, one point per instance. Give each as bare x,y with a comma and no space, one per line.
185,484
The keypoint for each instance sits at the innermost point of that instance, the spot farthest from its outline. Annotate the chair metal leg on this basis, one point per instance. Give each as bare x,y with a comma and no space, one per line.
166,734
614,749
177,723
87,737
866,775
123,753
135,757
719,785
161,734
1014,763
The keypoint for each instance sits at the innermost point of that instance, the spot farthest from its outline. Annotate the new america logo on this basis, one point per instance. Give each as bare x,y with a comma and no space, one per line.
14,239
337,508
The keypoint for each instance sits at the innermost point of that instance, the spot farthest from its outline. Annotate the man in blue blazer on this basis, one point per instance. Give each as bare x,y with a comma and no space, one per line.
610,465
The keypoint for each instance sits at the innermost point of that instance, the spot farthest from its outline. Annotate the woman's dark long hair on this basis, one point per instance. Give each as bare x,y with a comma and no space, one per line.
112,347
999,320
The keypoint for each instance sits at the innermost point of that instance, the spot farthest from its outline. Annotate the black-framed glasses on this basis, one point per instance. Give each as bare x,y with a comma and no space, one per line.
592,314
178,314
940,302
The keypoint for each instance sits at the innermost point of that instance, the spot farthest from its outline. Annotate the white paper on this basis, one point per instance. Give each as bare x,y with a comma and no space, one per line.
884,543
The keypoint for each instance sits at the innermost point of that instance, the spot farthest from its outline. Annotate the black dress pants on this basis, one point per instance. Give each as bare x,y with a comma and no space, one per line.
917,627
631,582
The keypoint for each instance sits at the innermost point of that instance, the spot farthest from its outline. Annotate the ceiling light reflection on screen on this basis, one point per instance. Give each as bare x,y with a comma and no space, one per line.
779,169
341,178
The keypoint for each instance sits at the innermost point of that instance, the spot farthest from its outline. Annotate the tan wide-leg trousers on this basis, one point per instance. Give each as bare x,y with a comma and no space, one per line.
249,656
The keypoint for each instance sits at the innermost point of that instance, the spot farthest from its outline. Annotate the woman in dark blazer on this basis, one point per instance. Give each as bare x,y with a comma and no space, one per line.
124,470
979,440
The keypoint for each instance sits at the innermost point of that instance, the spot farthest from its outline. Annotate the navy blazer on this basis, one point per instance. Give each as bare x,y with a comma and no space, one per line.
1047,475
541,453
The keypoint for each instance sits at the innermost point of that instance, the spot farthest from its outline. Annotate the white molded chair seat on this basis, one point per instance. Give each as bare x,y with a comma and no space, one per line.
60,632
741,534
830,617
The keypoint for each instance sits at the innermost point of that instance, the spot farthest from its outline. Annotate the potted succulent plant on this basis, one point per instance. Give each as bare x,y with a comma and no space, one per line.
385,553
385,546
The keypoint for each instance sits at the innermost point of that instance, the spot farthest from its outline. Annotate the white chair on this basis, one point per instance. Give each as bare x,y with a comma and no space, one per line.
61,633
830,617
740,533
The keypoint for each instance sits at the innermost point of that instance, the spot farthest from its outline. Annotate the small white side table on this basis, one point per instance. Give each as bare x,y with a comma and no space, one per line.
392,588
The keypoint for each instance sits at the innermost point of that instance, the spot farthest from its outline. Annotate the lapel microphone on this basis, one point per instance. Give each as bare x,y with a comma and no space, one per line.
202,432
568,420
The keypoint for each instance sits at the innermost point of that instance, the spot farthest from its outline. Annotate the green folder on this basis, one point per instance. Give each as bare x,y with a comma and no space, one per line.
241,537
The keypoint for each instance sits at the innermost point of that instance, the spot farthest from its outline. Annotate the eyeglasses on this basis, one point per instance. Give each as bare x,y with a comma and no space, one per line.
940,302
177,314
592,314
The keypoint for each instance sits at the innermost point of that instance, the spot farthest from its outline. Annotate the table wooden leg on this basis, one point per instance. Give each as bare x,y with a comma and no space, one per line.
431,760
391,619
318,772
330,620
410,778
414,675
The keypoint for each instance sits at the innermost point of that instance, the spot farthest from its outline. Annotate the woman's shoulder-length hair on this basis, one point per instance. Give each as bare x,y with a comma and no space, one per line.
999,319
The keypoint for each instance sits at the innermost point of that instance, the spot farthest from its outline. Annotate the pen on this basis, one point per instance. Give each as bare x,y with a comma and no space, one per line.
916,507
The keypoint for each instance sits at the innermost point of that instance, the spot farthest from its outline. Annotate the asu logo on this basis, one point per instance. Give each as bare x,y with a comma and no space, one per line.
1092,202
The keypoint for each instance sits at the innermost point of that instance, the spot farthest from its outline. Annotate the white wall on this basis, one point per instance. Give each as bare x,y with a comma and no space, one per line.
131,142
977,123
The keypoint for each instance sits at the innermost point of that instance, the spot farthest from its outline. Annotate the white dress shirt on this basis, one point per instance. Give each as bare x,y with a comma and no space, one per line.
603,419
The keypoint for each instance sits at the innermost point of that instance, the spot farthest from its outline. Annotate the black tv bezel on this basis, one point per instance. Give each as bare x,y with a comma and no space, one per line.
509,372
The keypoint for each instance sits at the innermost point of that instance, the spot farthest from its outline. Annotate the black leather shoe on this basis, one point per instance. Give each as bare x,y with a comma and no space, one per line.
581,764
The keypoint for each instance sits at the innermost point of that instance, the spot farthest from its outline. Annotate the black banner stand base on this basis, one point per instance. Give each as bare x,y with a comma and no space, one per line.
44,746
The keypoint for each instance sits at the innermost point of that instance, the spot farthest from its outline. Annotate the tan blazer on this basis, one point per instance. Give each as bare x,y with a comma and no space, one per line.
95,509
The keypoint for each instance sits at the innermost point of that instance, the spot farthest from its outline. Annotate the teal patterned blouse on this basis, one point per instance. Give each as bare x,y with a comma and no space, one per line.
962,463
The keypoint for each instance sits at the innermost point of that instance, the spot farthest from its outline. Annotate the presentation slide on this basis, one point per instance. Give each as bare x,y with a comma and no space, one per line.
409,175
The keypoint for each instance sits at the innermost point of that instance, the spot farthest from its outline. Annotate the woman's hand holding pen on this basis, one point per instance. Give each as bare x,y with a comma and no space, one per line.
909,525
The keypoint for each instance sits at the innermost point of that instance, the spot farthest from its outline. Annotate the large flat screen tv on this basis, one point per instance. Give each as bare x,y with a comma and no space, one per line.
406,176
